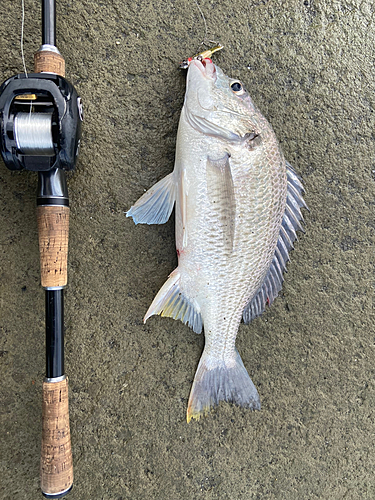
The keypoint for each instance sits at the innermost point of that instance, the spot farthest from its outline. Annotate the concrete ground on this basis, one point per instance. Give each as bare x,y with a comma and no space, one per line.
309,65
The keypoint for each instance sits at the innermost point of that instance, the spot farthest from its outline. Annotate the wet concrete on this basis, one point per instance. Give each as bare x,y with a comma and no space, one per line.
310,68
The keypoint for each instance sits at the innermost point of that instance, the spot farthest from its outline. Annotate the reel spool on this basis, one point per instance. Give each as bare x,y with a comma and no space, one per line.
33,134
40,122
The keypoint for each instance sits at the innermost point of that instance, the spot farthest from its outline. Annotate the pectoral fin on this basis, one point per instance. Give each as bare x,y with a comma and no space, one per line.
156,205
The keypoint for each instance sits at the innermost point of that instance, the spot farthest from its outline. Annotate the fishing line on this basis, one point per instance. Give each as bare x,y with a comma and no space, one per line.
204,21
33,133
205,40
22,31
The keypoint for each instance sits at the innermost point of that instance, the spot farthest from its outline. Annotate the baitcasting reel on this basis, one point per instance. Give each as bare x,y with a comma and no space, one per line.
40,122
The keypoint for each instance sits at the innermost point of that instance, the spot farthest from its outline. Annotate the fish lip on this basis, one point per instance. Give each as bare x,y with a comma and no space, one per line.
206,67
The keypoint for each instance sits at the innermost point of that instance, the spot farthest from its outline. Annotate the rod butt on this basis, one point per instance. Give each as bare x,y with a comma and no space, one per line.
56,465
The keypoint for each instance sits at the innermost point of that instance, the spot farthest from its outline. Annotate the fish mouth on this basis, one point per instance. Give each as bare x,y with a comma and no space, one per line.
205,66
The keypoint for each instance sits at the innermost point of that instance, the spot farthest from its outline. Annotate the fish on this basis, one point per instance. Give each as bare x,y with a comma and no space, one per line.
237,210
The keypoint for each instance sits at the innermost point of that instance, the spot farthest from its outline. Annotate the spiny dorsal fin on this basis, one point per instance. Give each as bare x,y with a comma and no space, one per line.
156,205
272,283
171,302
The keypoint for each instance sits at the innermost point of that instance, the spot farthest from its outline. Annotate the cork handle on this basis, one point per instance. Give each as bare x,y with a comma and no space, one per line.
53,229
56,460
48,61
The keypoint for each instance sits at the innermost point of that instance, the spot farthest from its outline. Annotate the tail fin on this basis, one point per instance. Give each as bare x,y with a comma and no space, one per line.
214,382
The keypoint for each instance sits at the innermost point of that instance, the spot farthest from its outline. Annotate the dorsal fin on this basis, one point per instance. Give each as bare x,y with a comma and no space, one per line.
272,283
171,302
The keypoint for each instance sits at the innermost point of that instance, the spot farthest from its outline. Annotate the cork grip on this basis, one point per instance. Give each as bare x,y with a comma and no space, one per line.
53,229
48,61
56,465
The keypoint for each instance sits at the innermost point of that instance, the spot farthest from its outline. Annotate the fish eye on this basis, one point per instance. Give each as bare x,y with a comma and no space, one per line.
237,88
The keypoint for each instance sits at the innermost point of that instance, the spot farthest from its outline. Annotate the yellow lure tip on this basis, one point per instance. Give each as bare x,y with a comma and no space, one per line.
209,52
202,55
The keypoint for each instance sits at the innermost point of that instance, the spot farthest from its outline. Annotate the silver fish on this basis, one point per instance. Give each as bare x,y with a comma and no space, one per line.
238,206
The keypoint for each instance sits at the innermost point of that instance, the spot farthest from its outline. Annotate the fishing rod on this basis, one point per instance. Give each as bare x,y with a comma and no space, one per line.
40,128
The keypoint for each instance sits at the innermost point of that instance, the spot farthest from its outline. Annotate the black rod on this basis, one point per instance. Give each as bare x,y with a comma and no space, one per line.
49,22
54,333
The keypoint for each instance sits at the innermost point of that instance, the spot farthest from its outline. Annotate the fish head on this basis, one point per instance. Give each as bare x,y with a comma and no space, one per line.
219,106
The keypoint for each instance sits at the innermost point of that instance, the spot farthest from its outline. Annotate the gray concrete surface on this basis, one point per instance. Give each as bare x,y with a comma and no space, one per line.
309,65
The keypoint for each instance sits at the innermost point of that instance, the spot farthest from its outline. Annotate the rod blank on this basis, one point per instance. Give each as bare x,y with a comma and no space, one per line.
54,333
48,22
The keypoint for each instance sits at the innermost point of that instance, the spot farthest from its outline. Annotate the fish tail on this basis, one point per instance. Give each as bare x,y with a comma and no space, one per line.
214,381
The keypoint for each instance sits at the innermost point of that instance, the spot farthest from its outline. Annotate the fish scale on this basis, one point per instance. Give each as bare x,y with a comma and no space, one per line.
237,211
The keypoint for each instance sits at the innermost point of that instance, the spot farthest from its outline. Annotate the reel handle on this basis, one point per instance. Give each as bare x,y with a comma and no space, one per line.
56,464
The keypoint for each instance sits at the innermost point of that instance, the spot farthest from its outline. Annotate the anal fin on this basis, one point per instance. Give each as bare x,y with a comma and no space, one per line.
171,302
